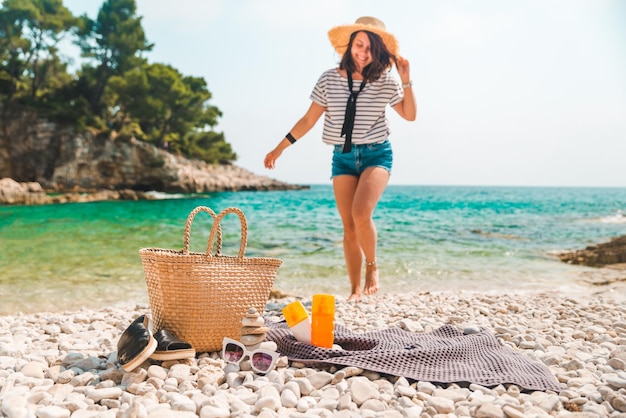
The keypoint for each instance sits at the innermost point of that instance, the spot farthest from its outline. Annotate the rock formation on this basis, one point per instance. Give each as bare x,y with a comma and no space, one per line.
31,193
61,160
253,330
612,252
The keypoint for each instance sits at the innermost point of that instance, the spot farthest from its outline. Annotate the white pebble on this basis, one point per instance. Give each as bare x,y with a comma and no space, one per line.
52,411
363,390
441,405
305,403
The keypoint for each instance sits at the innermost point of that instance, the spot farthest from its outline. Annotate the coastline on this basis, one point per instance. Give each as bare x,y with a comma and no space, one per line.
64,364
70,256
580,282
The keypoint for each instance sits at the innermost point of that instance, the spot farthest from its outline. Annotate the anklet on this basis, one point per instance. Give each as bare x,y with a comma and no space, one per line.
370,263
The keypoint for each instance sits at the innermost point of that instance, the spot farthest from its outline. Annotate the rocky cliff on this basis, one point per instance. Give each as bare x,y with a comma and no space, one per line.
61,160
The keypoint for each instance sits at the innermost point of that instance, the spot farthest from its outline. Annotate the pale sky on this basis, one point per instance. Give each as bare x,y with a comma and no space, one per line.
519,93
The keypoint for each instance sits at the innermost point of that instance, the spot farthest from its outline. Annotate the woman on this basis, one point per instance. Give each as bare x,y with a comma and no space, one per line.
354,98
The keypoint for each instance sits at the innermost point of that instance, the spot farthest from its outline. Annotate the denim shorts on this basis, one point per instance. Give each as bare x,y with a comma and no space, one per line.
362,156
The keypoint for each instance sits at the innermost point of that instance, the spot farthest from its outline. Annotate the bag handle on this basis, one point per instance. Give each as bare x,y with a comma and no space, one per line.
187,235
218,229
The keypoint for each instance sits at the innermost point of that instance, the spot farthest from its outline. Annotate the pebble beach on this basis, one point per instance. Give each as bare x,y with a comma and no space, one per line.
63,365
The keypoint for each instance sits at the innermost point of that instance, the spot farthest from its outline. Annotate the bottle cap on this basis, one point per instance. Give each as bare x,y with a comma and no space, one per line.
323,304
295,313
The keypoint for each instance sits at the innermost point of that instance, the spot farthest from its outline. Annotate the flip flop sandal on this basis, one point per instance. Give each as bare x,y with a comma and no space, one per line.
171,348
136,343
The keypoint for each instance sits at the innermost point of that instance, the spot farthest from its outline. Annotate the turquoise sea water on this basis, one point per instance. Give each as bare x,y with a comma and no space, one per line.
66,257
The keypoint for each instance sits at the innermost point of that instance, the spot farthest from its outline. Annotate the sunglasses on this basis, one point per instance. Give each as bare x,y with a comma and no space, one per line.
262,360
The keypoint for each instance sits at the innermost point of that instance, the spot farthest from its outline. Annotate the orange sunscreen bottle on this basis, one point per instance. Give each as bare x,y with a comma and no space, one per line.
299,321
323,321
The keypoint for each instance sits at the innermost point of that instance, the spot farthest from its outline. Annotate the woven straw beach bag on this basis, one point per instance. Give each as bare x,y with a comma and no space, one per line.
202,297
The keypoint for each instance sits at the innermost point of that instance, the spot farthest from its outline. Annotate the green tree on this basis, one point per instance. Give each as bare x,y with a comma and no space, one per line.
114,42
30,32
11,46
115,89
156,103
209,146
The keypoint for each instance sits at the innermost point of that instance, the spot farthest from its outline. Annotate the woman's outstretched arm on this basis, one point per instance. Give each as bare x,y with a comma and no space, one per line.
301,127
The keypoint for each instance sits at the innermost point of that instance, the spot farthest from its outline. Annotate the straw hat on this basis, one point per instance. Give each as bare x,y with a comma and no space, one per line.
340,35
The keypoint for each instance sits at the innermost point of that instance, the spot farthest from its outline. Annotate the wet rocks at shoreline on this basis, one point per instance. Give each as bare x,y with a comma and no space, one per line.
63,365
600,255
31,193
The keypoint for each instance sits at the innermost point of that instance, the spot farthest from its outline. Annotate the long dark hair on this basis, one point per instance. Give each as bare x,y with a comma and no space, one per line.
381,58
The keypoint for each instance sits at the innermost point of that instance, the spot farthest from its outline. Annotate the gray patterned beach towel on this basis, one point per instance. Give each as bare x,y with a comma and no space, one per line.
445,355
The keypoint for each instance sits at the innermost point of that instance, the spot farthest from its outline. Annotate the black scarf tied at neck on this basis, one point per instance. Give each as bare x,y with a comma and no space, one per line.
348,121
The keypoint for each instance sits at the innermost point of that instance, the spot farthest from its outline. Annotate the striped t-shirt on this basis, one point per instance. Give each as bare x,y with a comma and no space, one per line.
370,124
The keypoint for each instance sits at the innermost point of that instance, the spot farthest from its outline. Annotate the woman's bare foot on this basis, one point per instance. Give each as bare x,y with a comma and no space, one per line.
371,278
355,297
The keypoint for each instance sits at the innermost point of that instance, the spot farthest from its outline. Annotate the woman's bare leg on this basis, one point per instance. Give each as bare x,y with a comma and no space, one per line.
345,187
369,190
